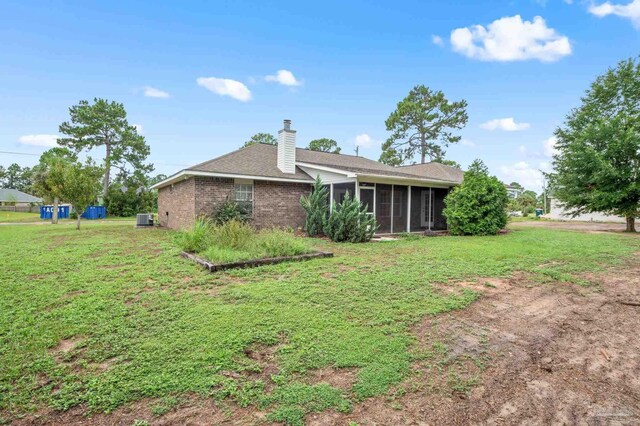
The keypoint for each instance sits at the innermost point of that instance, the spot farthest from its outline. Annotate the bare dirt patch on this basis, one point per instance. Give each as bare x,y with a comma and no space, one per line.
525,354
66,345
341,378
194,411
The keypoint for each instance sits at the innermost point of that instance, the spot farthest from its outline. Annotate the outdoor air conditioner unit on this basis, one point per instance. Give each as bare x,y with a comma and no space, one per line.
144,219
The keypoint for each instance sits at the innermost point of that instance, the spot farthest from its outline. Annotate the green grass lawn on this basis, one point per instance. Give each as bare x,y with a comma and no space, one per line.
19,217
139,321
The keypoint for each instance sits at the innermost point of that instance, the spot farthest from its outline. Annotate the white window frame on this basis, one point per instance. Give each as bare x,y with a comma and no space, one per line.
246,188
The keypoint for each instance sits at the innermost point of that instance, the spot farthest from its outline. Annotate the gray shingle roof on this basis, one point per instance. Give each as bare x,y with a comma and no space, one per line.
255,160
14,196
261,160
436,171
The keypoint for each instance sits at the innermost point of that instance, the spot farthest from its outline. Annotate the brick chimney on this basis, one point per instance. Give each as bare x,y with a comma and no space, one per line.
287,149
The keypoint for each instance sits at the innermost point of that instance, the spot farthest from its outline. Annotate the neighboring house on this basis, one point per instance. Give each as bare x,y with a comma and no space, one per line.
13,197
272,178
557,212
514,191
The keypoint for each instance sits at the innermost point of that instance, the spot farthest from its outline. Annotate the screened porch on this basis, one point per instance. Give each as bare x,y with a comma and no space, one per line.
397,208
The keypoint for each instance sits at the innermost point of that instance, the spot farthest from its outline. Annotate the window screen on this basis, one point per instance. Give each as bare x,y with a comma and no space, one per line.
244,192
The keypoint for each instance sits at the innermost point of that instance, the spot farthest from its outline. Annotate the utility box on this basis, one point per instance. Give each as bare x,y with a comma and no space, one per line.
539,213
144,219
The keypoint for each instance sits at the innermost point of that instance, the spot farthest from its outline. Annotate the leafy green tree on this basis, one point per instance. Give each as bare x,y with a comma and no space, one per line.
16,177
261,138
597,167
451,163
81,185
527,200
316,205
478,205
349,222
421,125
516,185
48,176
157,178
324,145
104,123
129,195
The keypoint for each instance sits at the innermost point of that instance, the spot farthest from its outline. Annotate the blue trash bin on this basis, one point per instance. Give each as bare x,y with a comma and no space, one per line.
46,212
94,212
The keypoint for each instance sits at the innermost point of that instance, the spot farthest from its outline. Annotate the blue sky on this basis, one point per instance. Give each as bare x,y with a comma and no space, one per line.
201,77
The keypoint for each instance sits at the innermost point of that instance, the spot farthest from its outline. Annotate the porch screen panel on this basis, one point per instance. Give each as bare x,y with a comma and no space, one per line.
439,221
328,188
399,208
341,189
383,208
416,209
366,198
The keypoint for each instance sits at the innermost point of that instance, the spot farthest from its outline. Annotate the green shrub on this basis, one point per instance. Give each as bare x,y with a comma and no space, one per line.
316,205
350,222
226,255
230,210
196,239
276,243
234,235
235,241
478,206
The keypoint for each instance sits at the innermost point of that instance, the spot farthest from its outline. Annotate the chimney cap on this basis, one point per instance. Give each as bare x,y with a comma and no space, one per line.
287,124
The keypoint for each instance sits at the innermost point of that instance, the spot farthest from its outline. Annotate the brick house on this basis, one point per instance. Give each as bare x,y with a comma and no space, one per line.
272,178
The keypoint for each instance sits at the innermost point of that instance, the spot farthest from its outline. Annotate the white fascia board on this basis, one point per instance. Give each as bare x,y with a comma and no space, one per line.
185,174
397,180
326,169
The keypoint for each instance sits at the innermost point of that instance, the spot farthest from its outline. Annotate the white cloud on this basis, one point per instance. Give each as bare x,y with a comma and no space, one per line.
468,143
527,175
152,92
506,124
549,147
139,128
364,140
284,77
437,40
226,87
39,140
511,39
630,11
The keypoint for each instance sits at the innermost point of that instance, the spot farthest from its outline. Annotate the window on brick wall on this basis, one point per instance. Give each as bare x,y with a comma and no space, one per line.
244,192
243,196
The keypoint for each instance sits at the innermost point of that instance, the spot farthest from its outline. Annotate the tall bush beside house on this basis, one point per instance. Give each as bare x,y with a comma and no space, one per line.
230,210
316,205
478,205
349,222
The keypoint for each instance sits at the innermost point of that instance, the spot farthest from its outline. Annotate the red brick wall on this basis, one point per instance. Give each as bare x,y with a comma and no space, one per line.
176,207
277,204
211,192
